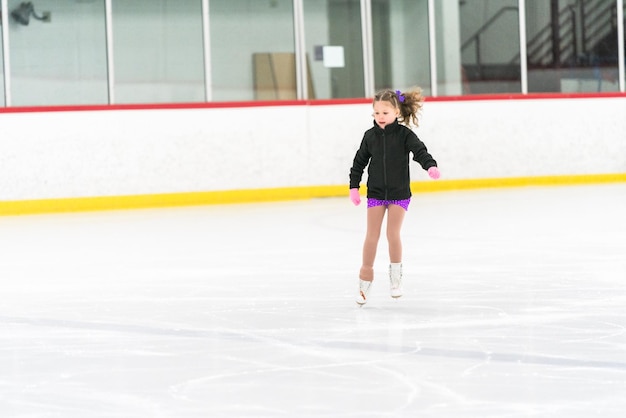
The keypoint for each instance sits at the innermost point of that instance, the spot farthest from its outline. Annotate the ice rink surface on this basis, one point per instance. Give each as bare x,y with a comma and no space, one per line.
514,306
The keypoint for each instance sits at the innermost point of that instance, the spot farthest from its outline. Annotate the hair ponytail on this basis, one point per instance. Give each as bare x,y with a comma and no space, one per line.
409,103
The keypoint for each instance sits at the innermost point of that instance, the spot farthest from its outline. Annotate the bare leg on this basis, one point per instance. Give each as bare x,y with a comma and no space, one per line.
375,217
395,217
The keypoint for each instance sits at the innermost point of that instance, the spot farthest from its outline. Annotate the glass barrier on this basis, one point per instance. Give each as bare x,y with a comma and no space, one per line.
401,44
572,46
2,88
57,53
334,48
252,50
57,49
158,51
490,47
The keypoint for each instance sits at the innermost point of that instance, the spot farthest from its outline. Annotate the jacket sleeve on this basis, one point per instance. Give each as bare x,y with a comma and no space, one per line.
420,152
361,159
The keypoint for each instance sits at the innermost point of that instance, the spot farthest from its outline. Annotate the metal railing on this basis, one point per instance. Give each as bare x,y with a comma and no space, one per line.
475,38
581,28
578,31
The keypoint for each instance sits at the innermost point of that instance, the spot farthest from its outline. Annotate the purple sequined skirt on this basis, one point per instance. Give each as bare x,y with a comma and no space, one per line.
404,203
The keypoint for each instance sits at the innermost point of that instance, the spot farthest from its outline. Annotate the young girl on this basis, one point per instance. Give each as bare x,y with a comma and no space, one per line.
386,147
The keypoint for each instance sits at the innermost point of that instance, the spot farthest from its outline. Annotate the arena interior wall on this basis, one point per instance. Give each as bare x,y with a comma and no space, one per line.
93,158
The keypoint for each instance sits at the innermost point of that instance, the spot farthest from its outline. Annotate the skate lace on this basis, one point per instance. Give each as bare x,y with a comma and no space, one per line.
396,278
364,288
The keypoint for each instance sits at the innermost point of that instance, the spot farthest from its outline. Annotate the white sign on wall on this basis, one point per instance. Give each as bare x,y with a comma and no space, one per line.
333,57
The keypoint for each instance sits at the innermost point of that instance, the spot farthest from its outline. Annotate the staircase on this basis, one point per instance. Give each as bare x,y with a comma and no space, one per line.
580,37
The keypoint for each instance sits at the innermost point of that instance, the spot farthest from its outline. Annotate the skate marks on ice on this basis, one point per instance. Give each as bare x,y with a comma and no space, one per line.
513,306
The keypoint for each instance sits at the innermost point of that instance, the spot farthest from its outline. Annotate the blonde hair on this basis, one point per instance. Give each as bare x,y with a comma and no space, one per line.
409,103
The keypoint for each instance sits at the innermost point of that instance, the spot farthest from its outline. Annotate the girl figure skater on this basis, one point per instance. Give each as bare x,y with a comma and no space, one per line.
386,148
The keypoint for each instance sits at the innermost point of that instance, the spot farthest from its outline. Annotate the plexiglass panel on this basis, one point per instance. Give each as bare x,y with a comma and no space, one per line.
334,42
400,41
2,88
448,39
158,51
490,46
58,52
252,50
58,49
572,46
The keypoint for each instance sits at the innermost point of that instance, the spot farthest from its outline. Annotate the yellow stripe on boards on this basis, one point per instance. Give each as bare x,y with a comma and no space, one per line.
83,204
564,180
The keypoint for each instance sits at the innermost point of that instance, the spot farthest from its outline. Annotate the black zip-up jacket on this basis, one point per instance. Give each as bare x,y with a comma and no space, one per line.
387,152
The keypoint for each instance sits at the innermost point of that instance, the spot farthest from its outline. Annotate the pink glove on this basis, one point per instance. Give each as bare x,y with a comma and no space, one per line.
355,197
434,173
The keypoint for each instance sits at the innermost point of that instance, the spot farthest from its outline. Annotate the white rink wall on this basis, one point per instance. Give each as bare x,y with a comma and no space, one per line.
87,153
